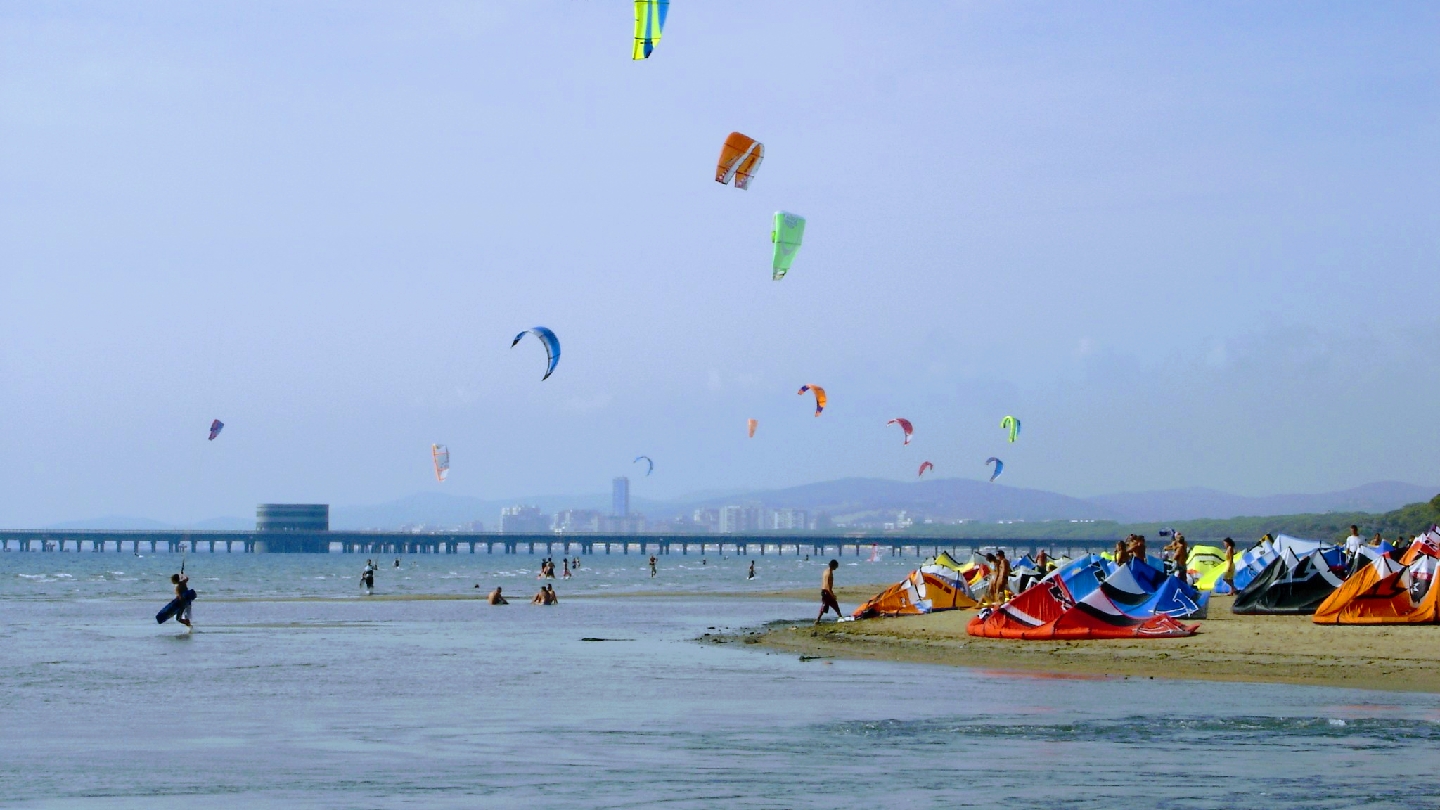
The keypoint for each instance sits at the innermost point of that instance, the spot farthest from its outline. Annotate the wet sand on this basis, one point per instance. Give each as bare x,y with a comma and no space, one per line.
1277,649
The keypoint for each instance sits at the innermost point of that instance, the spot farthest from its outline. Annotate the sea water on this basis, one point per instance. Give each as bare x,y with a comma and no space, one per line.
297,692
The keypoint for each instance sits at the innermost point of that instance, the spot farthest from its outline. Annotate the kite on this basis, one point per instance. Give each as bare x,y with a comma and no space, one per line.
819,396
739,160
904,425
552,347
787,234
1011,424
925,466
752,424
215,427
999,467
649,20
441,455
648,459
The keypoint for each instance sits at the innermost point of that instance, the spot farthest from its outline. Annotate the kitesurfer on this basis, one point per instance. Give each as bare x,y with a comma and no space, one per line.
182,584
367,577
495,597
827,592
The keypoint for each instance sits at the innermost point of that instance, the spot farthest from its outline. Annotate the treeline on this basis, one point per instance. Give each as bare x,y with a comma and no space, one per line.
1407,521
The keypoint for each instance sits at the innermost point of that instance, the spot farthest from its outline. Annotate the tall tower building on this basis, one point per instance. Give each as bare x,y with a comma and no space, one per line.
620,497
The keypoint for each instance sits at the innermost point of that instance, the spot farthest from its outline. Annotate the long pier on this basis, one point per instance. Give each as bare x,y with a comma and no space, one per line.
374,542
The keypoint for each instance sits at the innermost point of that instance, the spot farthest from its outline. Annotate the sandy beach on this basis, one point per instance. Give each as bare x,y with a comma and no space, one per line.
1275,649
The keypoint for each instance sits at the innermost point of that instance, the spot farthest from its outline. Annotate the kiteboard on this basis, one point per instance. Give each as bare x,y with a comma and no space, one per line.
176,605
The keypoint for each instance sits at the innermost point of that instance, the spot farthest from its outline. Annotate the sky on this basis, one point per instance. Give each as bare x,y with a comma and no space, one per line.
1187,244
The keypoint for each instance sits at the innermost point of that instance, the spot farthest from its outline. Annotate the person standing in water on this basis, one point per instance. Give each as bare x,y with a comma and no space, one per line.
827,592
565,573
751,575
652,566
496,598
367,577
397,562
182,584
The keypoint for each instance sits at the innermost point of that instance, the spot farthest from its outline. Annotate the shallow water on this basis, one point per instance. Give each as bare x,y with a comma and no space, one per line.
108,575
353,702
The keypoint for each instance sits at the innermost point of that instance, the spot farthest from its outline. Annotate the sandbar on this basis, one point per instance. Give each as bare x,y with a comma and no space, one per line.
1271,649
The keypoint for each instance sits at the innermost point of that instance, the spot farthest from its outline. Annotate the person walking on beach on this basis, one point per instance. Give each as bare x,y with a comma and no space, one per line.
1229,575
999,579
827,592
367,577
652,566
751,575
496,598
182,584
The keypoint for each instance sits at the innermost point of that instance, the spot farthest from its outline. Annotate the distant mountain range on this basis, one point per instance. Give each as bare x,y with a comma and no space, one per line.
853,500
1198,503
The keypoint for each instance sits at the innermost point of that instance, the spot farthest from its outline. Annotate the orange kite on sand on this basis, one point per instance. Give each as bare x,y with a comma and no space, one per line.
1384,592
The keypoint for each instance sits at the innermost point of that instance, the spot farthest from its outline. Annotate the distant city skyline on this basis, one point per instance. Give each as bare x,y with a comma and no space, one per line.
1189,245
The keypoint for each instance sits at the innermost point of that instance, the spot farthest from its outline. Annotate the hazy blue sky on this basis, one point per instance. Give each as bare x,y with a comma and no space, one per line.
1188,244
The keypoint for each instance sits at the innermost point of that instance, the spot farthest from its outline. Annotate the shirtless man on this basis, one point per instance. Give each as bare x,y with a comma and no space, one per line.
539,598
1180,550
999,579
182,584
827,592
496,598
751,575
1229,575
1137,548
550,597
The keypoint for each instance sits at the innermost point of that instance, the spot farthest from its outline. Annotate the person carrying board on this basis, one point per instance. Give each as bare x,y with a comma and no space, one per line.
182,587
